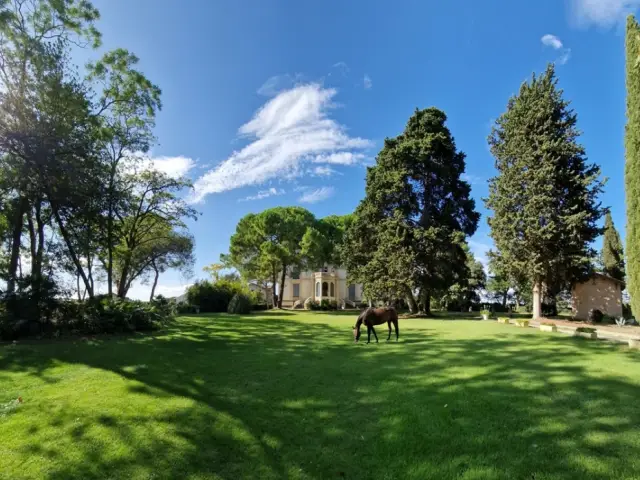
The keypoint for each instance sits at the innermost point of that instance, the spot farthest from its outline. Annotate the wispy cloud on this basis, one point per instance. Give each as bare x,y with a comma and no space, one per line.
316,195
551,41
604,13
367,82
278,84
340,158
272,192
290,130
173,166
342,68
555,43
324,171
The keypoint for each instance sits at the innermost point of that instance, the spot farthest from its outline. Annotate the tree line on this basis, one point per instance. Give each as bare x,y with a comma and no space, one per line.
80,202
407,239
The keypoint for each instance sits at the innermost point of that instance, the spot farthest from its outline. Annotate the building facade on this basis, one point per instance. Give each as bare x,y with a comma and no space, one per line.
600,292
328,283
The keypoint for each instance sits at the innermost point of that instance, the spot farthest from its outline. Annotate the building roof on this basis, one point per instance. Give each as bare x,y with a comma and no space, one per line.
604,276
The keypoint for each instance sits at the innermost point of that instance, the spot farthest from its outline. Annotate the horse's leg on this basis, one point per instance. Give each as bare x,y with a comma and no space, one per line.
368,333
389,325
395,324
374,333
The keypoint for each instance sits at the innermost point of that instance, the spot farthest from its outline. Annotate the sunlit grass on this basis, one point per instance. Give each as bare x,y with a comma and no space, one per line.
288,395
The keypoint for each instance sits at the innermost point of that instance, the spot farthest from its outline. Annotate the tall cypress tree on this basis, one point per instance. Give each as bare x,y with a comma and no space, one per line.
632,167
544,198
612,252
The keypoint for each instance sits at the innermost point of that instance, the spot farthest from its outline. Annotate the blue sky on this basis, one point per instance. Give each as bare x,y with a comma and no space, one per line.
272,103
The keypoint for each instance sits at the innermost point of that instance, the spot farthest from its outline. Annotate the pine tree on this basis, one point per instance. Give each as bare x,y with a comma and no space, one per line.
632,167
612,252
545,196
407,235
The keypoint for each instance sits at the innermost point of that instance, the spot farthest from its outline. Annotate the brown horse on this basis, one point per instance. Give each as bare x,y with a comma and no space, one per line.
376,316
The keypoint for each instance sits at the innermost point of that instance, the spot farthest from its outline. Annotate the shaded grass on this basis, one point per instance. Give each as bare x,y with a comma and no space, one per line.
290,396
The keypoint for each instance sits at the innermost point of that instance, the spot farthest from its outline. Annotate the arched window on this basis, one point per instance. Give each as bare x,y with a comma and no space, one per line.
333,292
317,289
325,289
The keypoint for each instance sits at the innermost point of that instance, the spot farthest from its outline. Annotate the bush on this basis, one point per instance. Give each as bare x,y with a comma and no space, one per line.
240,304
259,307
326,305
595,316
184,308
549,310
215,297
626,310
308,304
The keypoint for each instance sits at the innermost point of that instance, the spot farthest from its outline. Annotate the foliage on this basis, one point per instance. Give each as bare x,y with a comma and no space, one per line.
632,163
460,296
595,316
214,270
215,297
586,330
545,196
407,234
240,304
626,310
612,251
269,244
485,312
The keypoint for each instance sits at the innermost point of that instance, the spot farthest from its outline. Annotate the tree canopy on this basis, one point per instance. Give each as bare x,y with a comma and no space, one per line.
544,199
612,251
406,239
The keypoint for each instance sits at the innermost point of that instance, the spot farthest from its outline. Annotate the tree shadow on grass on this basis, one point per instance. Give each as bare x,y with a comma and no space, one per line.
272,398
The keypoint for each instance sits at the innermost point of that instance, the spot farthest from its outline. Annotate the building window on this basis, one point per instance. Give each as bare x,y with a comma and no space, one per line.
318,289
296,290
352,292
295,275
325,289
325,269
333,292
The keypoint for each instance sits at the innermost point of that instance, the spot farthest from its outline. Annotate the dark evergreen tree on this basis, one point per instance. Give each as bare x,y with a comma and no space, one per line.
545,196
612,252
408,233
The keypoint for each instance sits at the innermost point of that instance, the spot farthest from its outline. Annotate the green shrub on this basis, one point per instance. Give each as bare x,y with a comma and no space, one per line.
626,310
327,304
239,304
485,312
261,307
185,308
215,297
586,330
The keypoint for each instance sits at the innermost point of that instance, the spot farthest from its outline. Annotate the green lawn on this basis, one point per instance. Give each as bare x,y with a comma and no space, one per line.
288,395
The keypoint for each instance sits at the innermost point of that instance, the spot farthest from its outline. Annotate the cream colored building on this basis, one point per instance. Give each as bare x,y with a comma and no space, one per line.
600,292
328,283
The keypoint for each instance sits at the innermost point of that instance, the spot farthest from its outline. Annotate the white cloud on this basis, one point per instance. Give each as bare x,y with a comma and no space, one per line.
341,158
172,166
272,192
551,41
342,67
288,131
604,13
367,82
472,179
316,195
480,250
324,171
555,43
278,84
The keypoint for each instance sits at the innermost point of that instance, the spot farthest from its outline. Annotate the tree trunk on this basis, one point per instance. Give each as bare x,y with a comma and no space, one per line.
16,240
537,299
155,283
274,297
504,299
72,251
122,282
427,301
281,292
411,301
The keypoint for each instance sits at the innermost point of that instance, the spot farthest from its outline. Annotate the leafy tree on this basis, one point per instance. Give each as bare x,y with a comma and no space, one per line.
632,166
545,196
214,270
322,242
462,294
270,243
612,252
417,210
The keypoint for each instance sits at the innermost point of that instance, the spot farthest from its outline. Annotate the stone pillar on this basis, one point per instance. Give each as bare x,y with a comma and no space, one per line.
537,300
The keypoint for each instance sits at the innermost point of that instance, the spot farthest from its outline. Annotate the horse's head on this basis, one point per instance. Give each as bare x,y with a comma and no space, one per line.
356,333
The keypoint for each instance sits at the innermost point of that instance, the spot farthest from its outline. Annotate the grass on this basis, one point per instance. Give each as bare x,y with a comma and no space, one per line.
288,395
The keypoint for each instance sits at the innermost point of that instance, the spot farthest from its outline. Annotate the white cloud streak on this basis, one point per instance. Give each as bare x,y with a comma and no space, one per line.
603,13
555,43
324,171
290,130
316,195
272,192
367,82
551,41
172,166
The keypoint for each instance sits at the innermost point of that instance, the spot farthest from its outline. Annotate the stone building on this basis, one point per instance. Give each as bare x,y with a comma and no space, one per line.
327,283
600,292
